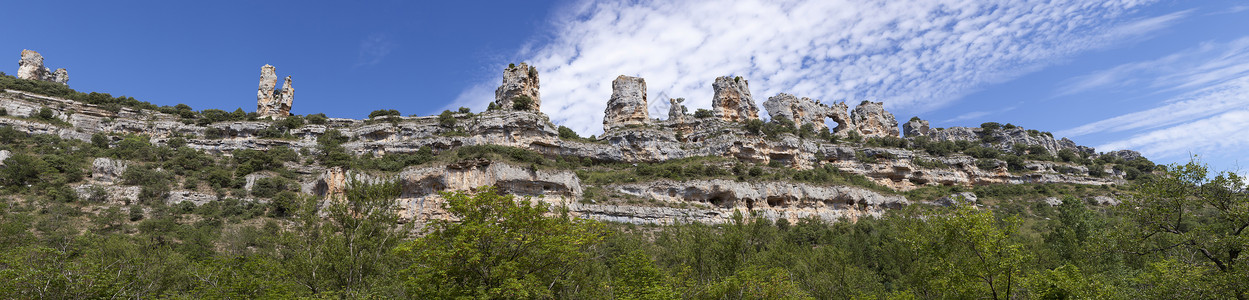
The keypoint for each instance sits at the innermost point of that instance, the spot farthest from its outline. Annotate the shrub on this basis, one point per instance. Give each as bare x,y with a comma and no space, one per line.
522,102
271,186
319,119
3,112
446,119
991,126
702,113
465,110
566,133
100,140
383,113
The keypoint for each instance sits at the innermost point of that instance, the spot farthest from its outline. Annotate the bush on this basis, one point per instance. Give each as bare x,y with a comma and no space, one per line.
522,102
702,113
383,113
3,112
465,110
271,186
991,126
319,119
446,119
566,133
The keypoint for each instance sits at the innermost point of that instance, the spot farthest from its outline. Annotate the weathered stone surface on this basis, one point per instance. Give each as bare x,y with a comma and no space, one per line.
1005,139
1125,154
176,197
803,111
732,101
627,105
915,127
677,112
108,193
1052,201
31,67
105,169
4,155
271,103
518,80
958,199
1103,200
871,120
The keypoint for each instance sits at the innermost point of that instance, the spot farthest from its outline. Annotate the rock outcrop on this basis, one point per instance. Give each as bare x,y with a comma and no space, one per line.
1125,154
871,120
805,111
1005,139
732,101
627,105
915,127
271,103
518,81
677,112
31,68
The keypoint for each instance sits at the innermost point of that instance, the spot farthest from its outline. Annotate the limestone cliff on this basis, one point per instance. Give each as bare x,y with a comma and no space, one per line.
732,101
627,105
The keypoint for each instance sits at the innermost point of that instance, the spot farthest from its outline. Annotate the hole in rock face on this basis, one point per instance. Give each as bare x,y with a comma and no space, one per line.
321,188
721,199
777,201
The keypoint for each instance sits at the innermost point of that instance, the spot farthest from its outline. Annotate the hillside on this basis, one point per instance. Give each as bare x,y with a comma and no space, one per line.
239,194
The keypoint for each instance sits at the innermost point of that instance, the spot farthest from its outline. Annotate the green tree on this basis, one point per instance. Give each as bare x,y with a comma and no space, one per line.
446,119
1199,220
522,102
501,247
966,253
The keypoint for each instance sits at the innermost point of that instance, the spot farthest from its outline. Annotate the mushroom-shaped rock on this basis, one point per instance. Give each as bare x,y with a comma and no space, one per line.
627,105
871,120
677,111
732,101
519,82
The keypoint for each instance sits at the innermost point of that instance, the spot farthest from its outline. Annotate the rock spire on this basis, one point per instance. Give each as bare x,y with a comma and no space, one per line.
519,81
627,105
31,68
871,120
732,101
271,103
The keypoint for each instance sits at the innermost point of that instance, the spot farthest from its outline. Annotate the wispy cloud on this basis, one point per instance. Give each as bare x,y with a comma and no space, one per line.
1215,134
911,54
1192,68
373,49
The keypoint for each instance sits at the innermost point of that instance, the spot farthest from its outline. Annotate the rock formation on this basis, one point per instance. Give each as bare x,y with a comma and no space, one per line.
677,111
1005,138
627,105
1125,154
31,68
871,120
915,127
802,111
271,103
732,101
518,81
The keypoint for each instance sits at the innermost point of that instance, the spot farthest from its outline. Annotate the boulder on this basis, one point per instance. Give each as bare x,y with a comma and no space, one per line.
871,120
1125,154
1052,201
802,111
915,127
732,101
107,170
518,81
31,68
627,105
4,155
271,103
958,199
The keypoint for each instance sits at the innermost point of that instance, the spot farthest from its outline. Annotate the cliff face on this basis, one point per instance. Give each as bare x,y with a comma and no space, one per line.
518,81
632,138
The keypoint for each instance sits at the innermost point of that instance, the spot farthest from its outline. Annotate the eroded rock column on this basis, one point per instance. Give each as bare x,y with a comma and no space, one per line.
30,67
871,120
271,103
519,82
627,105
732,101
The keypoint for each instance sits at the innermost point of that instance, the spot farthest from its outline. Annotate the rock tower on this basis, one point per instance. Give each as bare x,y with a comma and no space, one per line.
31,67
627,105
519,81
732,101
271,103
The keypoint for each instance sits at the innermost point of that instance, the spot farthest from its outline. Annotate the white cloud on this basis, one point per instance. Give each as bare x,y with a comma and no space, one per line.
911,54
1201,66
1214,134
373,49
1190,106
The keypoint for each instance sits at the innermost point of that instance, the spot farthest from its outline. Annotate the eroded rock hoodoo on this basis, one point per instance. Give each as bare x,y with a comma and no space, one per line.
31,68
915,127
677,112
627,105
271,103
732,101
871,120
519,82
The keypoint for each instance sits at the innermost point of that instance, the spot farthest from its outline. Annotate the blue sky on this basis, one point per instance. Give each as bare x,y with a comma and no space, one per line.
1168,78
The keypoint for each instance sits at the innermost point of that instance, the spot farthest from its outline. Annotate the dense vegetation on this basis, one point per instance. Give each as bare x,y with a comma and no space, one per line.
1179,235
